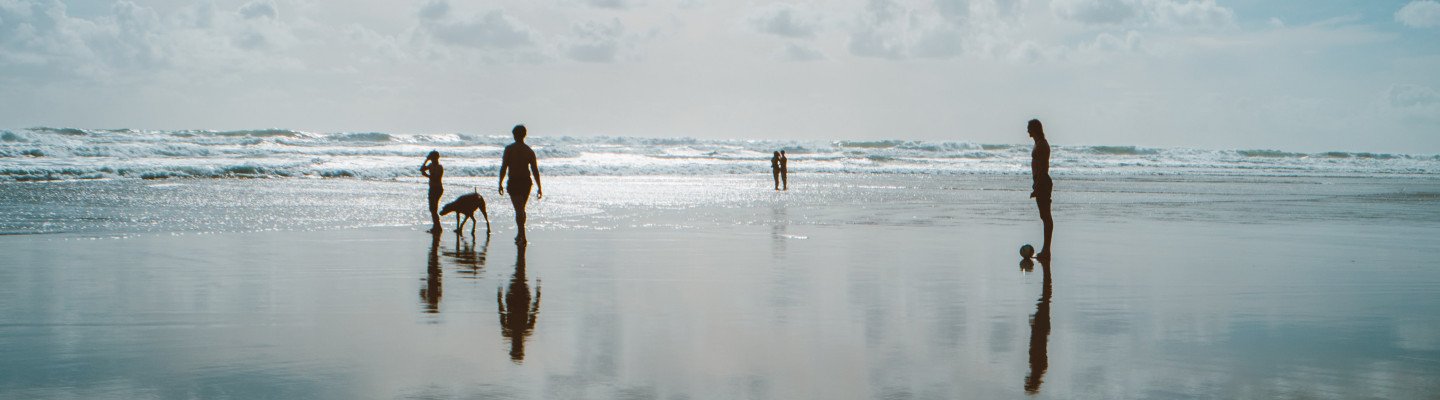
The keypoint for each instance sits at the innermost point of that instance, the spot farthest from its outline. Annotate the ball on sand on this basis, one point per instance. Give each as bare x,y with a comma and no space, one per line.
1027,251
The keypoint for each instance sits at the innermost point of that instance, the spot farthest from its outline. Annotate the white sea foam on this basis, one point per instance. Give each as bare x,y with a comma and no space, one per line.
70,154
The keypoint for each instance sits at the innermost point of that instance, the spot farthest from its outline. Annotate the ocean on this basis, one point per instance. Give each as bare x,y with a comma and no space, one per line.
60,154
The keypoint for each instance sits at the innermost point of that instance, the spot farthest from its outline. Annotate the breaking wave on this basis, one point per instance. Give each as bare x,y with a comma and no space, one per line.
47,154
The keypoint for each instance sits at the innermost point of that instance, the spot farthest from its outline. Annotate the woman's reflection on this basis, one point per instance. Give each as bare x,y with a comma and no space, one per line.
1039,333
430,293
517,313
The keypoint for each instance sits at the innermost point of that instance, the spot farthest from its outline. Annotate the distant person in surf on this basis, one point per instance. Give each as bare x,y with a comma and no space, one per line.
1040,171
519,160
784,170
775,169
432,169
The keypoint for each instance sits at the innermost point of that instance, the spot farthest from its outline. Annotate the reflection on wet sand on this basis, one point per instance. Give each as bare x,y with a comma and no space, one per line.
471,260
1039,332
779,223
430,293
517,313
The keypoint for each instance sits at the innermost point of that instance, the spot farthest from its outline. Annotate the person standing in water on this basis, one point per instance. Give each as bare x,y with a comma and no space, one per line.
775,169
432,169
519,160
1040,171
784,170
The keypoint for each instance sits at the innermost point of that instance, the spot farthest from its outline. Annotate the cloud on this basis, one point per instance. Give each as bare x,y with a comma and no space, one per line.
784,19
1420,14
40,37
955,10
1095,12
1413,97
1204,14
610,4
259,9
939,29
596,41
435,9
801,52
492,30
1167,14
881,31
1129,42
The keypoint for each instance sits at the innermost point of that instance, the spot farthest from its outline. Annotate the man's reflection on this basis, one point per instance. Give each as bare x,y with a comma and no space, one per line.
430,294
517,313
467,256
779,223
1039,333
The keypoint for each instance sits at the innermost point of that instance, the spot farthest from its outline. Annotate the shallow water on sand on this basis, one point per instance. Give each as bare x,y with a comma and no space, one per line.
678,288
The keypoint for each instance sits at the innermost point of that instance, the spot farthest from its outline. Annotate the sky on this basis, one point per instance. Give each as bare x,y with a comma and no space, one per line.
1315,75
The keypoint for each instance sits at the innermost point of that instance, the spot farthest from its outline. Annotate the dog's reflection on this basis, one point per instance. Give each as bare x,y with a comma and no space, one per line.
517,312
469,255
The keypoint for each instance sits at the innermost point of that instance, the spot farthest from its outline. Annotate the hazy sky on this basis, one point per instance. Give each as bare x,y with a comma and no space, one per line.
1294,75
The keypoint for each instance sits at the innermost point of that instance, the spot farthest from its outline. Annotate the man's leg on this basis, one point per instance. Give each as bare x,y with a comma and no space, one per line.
435,211
518,197
1045,217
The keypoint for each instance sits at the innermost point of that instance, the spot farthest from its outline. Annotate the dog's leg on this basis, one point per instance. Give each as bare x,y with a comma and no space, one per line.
459,223
487,217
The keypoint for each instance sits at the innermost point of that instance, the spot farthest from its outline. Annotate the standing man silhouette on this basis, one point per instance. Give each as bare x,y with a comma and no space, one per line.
784,170
1040,171
432,169
519,159
775,169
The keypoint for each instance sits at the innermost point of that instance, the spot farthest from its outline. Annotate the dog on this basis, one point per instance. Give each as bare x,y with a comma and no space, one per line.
466,205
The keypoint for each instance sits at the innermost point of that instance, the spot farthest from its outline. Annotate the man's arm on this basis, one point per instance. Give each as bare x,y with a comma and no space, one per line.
535,169
501,184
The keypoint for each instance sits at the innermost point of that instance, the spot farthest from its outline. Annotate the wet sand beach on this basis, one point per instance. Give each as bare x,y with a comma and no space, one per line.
847,288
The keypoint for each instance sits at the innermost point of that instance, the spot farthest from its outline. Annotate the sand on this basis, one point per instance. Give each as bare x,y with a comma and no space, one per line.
787,299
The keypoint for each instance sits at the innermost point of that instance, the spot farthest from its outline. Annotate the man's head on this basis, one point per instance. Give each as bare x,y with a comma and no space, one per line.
433,156
1036,130
519,132
782,153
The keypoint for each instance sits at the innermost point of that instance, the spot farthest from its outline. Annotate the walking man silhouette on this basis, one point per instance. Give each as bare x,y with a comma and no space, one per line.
519,160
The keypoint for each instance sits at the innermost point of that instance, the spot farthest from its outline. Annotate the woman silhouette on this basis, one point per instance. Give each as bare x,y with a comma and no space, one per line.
432,169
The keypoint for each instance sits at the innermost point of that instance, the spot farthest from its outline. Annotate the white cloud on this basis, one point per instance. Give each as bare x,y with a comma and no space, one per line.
492,30
610,4
1413,97
1202,14
937,29
596,41
40,37
1095,12
259,9
1420,14
435,9
1105,42
1168,14
784,19
801,52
